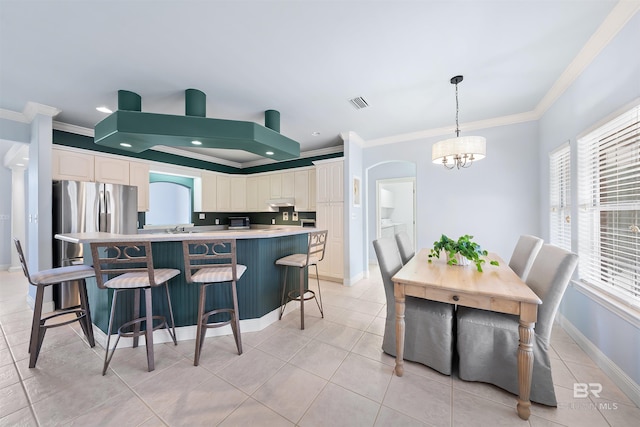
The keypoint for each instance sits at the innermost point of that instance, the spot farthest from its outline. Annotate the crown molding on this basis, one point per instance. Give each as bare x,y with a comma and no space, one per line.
14,116
32,109
351,136
612,24
198,156
471,126
79,130
304,154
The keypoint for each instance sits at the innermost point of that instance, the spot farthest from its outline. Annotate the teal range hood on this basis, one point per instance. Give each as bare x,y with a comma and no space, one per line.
132,130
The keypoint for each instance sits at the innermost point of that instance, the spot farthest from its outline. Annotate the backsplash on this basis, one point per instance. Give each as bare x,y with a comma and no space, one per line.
254,217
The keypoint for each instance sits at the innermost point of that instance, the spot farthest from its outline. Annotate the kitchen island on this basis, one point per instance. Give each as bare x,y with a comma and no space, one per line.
259,289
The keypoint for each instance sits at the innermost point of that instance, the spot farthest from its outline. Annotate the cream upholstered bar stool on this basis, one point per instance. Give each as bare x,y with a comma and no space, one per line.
128,266
42,280
315,253
213,262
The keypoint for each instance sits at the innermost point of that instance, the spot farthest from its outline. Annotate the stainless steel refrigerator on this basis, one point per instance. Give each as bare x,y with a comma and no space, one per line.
84,207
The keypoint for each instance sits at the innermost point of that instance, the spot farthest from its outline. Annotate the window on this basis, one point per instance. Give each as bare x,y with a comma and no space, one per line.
609,207
560,196
169,204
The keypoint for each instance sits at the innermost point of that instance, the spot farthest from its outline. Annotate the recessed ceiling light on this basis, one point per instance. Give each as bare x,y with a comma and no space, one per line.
124,144
104,109
316,133
25,158
196,142
19,164
269,153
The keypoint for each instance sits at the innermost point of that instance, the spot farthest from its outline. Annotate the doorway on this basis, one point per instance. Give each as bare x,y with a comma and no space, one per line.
396,207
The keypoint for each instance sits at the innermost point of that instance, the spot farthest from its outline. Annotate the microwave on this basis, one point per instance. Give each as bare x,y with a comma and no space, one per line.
239,223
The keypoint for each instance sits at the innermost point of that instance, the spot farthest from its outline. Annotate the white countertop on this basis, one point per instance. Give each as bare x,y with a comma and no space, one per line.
258,233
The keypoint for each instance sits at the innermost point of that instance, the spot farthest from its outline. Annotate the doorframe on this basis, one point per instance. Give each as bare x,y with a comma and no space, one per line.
379,184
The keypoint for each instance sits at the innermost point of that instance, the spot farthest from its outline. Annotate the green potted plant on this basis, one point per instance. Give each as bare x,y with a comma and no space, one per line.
458,251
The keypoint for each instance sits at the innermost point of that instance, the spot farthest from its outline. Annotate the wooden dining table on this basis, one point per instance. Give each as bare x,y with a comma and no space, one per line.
497,288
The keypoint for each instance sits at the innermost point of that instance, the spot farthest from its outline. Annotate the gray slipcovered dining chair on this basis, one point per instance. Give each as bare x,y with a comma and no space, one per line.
428,324
405,246
488,341
524,254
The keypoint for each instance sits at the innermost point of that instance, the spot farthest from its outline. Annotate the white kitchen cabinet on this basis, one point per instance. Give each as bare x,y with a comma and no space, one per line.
275,186
252,194
312,190
330,180
209,190
301,192
238,194
111,170
72,166
139,176
329,216
288,184
264,193
223,193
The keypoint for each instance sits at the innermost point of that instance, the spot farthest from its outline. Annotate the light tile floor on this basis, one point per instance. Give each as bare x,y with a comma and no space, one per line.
331,374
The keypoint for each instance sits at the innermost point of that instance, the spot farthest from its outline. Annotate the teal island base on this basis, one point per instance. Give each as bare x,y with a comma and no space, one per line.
259,290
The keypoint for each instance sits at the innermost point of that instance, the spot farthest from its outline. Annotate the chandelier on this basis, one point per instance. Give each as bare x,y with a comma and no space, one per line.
461,151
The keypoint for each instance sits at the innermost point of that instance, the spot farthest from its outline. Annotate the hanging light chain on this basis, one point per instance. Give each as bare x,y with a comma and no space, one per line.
457,110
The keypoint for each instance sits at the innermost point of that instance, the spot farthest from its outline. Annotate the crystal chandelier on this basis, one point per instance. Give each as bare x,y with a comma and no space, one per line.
461,151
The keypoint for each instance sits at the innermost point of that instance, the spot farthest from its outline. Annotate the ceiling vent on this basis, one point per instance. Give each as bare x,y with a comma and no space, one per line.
359,103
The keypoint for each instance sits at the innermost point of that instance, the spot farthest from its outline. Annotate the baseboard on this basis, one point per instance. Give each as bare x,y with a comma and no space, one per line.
617,375
353,280
327,278
5,267
185,333
14,269
47,307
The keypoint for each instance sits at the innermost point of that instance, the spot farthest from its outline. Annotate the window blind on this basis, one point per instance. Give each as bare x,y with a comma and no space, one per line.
609,207
560,196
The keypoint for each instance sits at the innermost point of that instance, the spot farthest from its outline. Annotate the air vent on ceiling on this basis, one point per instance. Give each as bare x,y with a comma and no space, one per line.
358,103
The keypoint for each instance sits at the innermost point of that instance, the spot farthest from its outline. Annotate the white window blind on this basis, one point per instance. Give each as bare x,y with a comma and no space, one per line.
609,211
560,196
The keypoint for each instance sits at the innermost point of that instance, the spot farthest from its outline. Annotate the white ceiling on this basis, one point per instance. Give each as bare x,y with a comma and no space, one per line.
303,58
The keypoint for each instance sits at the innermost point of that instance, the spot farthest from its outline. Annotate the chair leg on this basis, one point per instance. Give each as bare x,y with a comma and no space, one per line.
199,337
283,303
149,329
319,293
85,322
107,356
235,322
173,323
302,270
36,324
136,315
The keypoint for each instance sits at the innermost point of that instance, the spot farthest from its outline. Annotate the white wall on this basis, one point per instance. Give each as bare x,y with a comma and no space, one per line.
6,245
495,200
611,81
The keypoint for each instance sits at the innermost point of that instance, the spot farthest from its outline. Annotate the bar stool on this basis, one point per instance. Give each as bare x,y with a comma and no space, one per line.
315,254
53,276
211,262
126,266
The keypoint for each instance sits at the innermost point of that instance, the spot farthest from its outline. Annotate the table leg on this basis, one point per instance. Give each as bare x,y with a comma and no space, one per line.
400,306
525,368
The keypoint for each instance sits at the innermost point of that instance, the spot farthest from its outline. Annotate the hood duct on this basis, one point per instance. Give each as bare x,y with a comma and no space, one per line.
132,130
283,202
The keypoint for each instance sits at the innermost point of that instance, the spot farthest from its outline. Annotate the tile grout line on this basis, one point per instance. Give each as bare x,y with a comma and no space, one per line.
20,379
